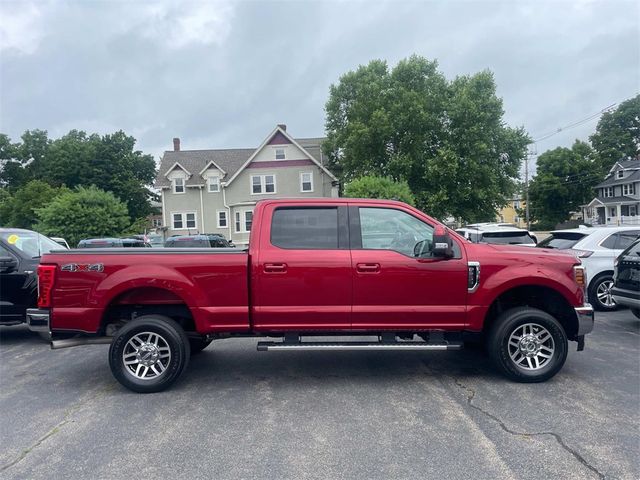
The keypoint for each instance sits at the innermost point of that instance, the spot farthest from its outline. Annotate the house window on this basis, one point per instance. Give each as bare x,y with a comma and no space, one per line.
222,218
632,210
516,204
280,154
263,184
178,185
620,174
213,184
628,189
612,212
306,182
516,219
608,192
184,220
243,221
156,222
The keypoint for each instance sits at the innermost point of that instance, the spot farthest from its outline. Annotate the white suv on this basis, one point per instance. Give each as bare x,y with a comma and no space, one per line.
597,248
497,234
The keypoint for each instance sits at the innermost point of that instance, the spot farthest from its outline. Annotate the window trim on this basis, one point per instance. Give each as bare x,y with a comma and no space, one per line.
240,217
620,174
174,185
263,184
284,153
226,219
302,190
631,190
216,183
343,226
606,192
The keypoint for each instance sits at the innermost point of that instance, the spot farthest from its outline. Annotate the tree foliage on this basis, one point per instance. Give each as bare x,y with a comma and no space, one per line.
84,212
19,210
379,187
77,159
446,139
617,135
565,179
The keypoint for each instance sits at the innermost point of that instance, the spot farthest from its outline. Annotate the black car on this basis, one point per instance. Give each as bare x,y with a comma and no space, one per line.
626,277
112,243
197,241
20,252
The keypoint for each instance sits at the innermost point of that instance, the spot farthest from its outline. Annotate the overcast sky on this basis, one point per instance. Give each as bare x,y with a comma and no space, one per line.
221,75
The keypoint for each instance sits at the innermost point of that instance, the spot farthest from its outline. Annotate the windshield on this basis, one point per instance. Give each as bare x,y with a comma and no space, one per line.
508,238
32,244
562,240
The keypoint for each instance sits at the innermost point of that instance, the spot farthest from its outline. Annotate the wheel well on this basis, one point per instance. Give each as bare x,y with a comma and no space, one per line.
542,298
145,301
601,274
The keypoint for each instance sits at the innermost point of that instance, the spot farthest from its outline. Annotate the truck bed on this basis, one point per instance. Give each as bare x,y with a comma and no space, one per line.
93,283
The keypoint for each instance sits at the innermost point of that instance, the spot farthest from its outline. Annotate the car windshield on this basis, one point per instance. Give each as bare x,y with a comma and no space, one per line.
632,250
507,238
562,240
32,244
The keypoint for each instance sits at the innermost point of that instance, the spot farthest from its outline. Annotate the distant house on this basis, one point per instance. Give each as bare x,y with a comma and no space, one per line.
617,200
215,191
511,212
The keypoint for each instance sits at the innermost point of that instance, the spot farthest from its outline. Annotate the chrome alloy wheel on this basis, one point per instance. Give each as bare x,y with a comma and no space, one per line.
146,355
531,346
604,293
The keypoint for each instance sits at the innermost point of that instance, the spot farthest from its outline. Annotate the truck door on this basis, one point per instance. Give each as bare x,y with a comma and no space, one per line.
391,287
302,277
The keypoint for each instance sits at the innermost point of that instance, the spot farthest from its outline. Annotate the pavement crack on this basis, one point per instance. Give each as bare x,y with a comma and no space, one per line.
66,418
471,393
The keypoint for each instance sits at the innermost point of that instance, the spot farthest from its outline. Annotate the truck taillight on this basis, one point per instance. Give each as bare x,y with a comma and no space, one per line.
46,278
580,276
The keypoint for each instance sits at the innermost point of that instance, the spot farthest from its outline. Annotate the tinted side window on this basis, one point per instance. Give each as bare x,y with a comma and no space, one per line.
610,241
305,228
626,238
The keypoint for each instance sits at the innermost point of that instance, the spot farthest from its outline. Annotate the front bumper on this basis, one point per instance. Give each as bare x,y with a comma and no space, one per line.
626,297
585,319
38,320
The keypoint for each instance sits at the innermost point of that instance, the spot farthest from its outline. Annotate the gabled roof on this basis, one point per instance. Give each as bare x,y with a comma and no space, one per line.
281,131
177,164
612,180
206,167
229,160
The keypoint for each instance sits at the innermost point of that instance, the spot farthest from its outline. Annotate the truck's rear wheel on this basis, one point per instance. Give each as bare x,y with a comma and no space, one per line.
527,345
149,353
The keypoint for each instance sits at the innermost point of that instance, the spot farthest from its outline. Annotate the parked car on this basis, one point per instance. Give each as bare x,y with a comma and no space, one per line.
322,267
197,241
497,234
598,248
20,252
155,240
112,243
61,241
626,278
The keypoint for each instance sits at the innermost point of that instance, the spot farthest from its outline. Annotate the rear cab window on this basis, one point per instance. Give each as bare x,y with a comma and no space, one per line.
507,238
304,228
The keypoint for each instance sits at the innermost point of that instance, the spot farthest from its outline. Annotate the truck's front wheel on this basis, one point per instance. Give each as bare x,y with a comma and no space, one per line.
149,353
527,345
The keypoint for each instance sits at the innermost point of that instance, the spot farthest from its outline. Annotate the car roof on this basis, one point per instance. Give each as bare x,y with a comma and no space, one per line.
603,229
14,230
492,228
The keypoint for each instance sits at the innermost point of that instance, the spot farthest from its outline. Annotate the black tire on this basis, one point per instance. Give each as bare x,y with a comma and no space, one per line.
636,312
172,339
198,344
509,323
593,293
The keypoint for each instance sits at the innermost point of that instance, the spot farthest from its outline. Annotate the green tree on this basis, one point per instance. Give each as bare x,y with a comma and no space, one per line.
83,213
617,135
565,179
19,210
379,187
447,140
77,159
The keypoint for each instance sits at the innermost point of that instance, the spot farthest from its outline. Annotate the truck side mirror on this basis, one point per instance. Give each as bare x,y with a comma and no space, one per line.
442,243
8,264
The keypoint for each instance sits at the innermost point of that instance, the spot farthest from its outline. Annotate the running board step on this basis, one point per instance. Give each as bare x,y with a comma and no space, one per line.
268,346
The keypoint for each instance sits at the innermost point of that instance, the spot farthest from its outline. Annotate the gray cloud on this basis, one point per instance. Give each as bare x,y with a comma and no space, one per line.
222,74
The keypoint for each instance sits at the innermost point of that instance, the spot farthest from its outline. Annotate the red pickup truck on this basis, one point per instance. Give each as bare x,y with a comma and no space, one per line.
318,267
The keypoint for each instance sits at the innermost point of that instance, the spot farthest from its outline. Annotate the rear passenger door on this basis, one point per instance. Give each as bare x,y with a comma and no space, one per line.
301,279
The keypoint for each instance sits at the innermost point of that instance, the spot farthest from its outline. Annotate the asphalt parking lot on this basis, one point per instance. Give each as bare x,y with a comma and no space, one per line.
239,413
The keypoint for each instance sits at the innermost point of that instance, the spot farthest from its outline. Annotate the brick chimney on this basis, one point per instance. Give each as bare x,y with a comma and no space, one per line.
176,144
282,126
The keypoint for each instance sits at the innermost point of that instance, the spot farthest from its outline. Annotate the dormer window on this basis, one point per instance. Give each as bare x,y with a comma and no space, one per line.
279,153
178,185
620,174
213,184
